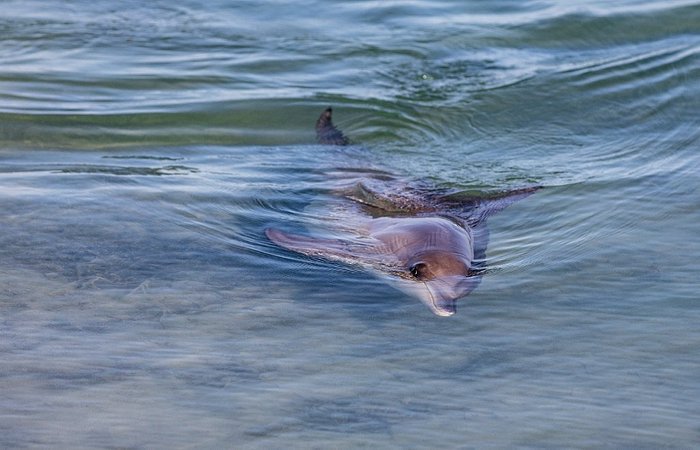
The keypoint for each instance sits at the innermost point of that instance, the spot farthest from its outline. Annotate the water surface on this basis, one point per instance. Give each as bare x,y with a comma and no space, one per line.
145,148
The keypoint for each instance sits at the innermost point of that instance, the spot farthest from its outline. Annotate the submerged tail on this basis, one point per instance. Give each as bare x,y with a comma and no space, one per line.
326,132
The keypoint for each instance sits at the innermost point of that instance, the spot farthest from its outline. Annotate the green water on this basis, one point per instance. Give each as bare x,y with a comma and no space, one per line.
145,148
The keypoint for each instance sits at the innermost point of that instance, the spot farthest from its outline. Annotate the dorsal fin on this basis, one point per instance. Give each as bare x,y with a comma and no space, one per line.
326,132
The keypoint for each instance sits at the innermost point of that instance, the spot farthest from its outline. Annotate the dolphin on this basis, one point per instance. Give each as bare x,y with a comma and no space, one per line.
427,257
429,244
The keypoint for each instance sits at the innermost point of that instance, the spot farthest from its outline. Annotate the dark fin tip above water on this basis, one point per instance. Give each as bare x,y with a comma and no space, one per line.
326,132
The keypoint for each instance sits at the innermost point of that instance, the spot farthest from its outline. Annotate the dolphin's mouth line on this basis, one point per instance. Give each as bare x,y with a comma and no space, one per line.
436,309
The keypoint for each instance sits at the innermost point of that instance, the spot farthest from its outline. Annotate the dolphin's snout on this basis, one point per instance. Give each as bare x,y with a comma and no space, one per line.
444,308
442,294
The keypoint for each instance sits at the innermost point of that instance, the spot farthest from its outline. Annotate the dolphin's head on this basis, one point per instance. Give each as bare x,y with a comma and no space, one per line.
439,279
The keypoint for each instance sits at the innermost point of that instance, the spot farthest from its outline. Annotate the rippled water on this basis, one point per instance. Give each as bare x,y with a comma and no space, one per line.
145,148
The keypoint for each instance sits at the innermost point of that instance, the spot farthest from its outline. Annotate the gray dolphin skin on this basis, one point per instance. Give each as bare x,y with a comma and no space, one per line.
326,132
430,245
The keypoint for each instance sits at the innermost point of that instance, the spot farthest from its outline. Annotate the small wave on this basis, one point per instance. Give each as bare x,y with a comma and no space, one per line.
128,171
630,71
146,157
593,28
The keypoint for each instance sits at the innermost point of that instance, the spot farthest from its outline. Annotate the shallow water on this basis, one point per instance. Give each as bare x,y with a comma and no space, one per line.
145,148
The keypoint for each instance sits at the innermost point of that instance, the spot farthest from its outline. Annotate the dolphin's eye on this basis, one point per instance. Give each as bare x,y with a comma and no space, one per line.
417,270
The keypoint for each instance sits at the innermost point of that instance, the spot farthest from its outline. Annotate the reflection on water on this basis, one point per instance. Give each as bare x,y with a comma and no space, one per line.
144,151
